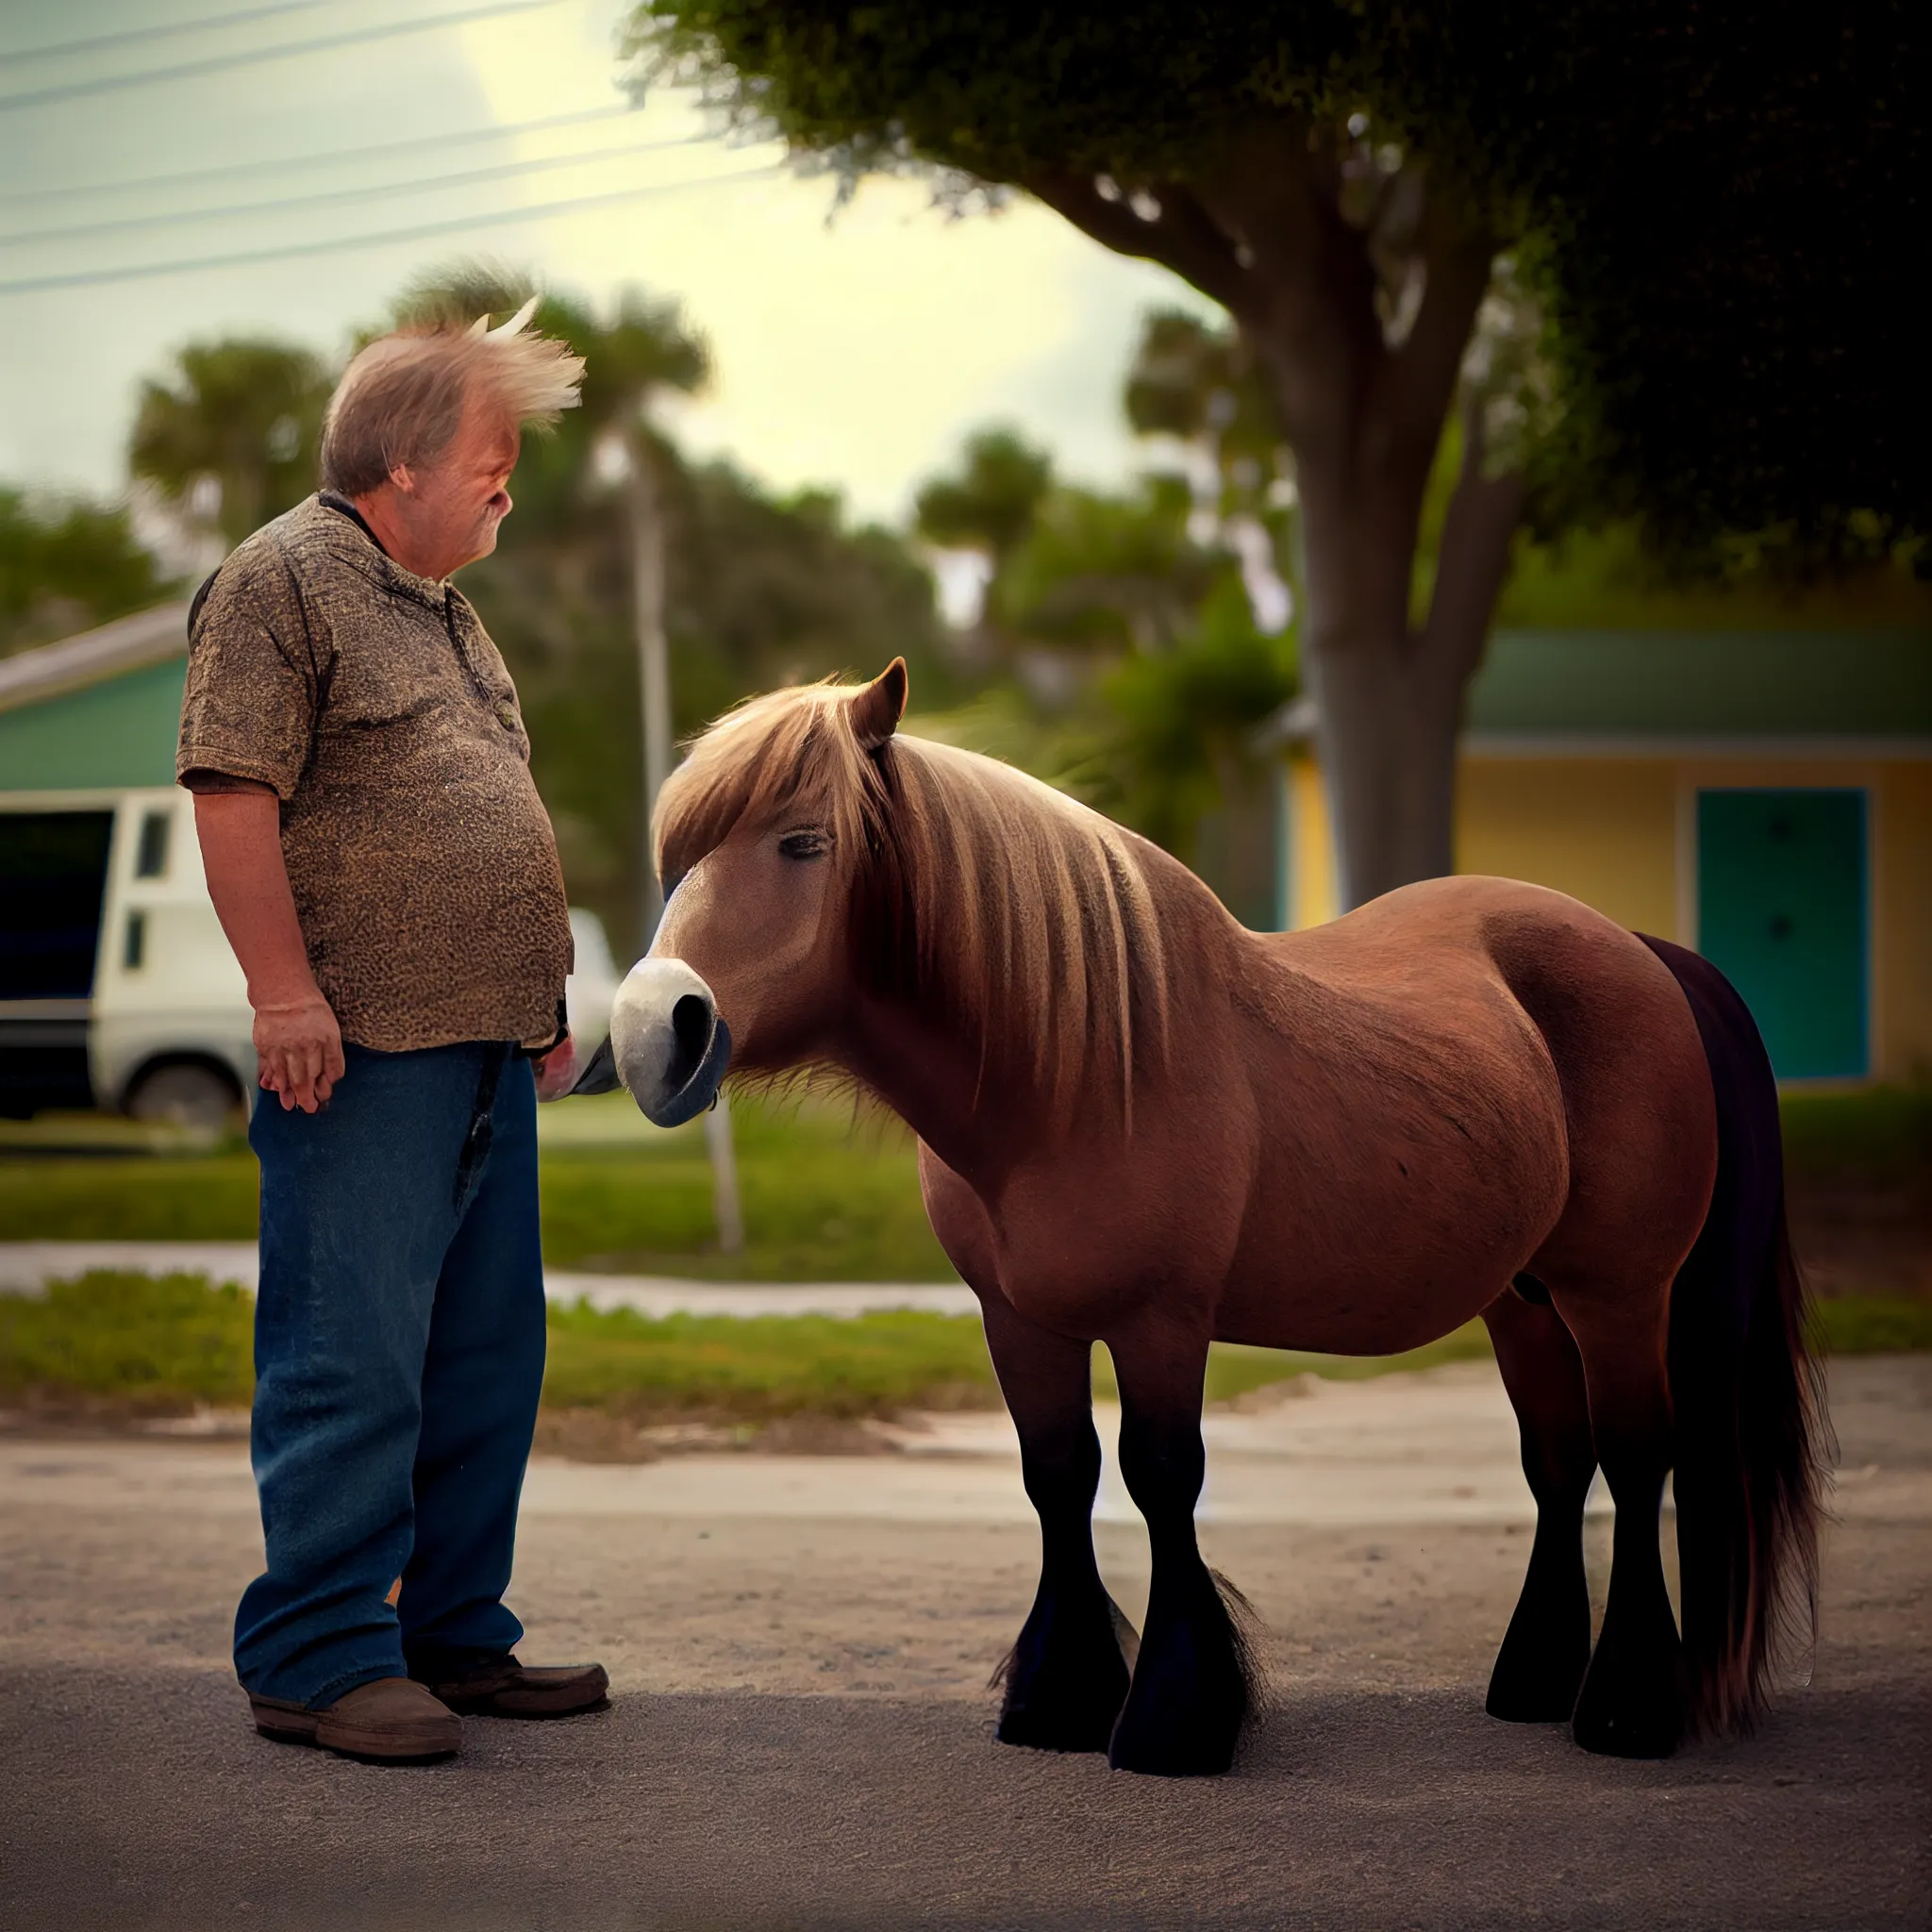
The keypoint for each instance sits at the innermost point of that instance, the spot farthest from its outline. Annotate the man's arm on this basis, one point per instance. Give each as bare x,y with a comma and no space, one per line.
297,1041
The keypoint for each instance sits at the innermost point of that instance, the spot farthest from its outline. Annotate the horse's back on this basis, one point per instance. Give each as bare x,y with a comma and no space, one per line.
1463,1078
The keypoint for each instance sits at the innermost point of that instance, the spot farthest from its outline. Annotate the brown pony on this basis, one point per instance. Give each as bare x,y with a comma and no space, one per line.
1141,1123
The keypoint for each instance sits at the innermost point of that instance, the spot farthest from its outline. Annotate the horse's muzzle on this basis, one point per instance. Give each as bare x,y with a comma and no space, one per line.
670,1046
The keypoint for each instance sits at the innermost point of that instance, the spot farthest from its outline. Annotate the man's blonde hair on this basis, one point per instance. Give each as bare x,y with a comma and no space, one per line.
401,401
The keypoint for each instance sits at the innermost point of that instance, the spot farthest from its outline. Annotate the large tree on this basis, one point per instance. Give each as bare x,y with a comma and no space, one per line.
1355,275
1344,180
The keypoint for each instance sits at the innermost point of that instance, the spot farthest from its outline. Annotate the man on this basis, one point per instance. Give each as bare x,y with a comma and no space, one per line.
386,876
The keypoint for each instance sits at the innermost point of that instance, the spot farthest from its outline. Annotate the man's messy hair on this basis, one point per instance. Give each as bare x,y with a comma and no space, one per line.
401,401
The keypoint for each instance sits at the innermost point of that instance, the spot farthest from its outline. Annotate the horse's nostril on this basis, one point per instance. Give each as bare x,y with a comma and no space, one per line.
691,1029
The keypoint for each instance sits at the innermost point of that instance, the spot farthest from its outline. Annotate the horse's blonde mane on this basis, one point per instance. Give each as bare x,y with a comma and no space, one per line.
1022,917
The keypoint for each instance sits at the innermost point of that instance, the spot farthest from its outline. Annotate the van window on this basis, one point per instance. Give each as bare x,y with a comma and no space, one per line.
53,872
151,856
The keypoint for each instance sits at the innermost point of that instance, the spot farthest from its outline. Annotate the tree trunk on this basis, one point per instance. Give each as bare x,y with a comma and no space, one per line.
654,667
1263,232
1389,695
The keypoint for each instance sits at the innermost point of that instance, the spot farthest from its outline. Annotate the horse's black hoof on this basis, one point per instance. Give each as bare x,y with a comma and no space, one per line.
1530,1701
1061,1725
1194,1752
1623,1734
1536,1680
1629,1713
1067,1678
1189,1700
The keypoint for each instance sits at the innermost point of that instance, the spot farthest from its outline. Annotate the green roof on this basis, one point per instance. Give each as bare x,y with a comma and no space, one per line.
114,734
1706,683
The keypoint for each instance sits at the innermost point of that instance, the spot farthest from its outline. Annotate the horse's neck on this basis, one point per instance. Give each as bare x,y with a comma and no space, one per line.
934,1081
985,1117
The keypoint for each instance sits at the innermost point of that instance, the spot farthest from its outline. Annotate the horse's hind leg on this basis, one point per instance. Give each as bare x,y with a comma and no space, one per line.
1542,1663
1067,1677
1190,1692
1632,1700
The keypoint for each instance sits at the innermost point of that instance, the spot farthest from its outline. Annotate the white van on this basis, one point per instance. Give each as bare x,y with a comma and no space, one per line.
117,987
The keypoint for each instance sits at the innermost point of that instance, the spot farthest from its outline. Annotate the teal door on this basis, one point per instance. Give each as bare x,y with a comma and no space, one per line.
1781,909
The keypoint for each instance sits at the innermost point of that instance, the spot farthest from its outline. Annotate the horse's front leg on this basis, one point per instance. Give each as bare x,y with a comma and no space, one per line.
1067,1675
1192,1689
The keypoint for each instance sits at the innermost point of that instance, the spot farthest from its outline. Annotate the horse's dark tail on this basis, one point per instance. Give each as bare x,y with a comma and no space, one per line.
1751,1424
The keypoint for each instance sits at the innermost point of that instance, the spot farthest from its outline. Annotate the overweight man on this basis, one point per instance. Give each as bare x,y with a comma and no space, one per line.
386,876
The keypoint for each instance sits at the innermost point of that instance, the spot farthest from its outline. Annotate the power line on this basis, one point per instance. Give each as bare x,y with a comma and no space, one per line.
95,278
501,171
228,169
172,30
221,63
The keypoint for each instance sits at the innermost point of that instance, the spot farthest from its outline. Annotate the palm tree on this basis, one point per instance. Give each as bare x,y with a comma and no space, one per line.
229,437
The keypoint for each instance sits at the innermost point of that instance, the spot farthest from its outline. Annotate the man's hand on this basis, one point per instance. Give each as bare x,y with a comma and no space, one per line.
557,1072
299,1049
298,1045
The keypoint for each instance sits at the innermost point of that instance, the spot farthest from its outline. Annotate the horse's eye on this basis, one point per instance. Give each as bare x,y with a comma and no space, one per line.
803,845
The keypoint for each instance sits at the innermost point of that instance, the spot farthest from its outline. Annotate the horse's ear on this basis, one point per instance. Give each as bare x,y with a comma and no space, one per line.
876,710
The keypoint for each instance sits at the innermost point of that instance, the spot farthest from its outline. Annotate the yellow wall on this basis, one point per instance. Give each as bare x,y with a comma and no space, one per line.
1604,830
1902,923
1312,896
1620,834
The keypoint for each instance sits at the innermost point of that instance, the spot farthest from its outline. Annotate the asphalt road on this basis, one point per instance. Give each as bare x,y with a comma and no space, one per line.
801,1737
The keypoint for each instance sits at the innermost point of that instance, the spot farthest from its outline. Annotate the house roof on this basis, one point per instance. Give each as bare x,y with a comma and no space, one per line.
96,712
1707,684
1588,691
147,637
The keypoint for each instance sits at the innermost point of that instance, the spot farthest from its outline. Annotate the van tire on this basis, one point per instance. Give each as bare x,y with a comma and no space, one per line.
185,1094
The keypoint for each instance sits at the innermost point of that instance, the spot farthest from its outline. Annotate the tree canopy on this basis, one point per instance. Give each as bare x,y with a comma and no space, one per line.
66,565
1716,204
242,415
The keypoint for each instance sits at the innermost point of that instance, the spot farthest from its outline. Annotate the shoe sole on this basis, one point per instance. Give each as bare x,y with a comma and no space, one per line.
532,1705
311,1728
527,1700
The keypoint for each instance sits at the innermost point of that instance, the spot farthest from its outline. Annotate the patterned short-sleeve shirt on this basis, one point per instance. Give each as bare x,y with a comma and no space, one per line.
421,857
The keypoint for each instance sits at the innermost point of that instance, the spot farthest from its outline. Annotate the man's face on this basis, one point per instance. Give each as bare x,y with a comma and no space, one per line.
450,512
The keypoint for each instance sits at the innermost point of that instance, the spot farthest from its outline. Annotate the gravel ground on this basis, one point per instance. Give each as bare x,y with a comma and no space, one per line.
801,1729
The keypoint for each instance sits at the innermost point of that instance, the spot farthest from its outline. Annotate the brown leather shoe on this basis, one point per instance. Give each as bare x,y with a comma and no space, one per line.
501,1687
390,1721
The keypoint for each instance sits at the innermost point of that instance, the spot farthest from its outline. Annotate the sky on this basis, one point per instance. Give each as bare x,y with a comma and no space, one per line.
853,347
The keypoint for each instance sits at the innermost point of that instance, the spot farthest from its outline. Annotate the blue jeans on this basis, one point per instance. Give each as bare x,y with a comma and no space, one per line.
398,1355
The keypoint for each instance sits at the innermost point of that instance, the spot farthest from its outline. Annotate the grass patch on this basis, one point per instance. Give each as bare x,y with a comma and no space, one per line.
157,1344
142,1345
825,1199
167,1198
1234,1369
1868,1324
1877,1134
144,1342
768,1365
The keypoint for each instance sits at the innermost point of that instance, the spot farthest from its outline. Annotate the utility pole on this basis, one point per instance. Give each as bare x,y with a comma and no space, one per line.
654,683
